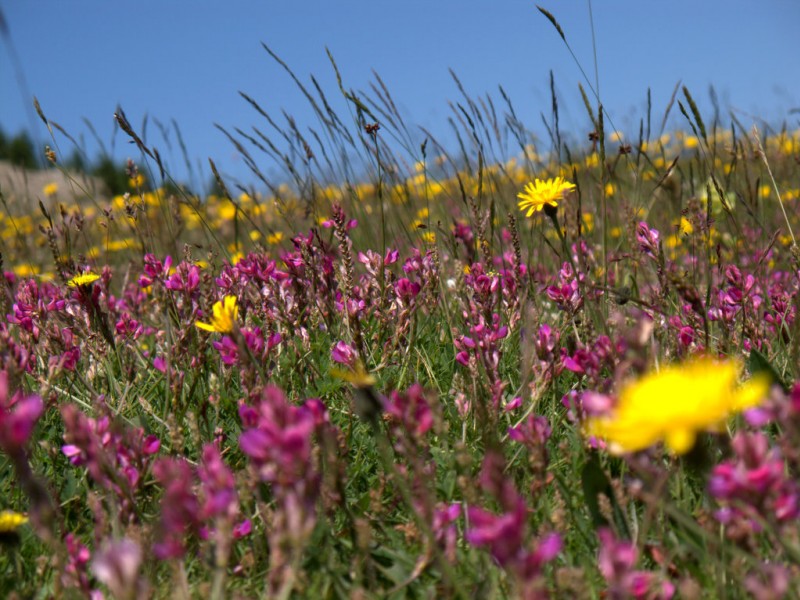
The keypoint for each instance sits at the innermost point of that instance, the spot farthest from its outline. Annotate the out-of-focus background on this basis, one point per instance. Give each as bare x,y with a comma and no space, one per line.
183,64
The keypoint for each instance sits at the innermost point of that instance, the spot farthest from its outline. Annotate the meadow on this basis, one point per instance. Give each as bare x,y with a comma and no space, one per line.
516,368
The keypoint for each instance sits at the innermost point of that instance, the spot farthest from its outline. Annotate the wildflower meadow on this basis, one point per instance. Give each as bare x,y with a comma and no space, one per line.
510,367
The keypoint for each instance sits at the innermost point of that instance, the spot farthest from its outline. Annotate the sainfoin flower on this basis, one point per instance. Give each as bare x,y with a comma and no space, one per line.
18,416
223,317
539,193
675,404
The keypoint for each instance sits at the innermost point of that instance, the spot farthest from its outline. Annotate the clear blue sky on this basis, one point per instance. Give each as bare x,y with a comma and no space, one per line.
187,61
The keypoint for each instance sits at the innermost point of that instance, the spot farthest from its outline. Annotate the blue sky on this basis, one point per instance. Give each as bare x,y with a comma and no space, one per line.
187,61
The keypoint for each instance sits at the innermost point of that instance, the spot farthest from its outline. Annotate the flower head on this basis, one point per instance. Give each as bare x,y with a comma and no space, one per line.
83,279
10,521
223,316
540,193
675,404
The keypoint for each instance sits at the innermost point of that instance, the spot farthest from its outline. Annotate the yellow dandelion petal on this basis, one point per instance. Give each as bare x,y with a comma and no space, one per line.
10,521
429,237
675,405
83,279
358,376
223,316
539,193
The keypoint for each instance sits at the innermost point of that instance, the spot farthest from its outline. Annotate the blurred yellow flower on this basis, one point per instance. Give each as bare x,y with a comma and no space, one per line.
592,160
227,211
83,279
122,244
136,182
717,202
26,270
541,193
50,189
223,317
588,222
676,404
10,521
275,238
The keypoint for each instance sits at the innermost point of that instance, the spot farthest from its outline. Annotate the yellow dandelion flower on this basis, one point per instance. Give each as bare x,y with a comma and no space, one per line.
51,189
223,317
10,521
676,404
82,279
358,376
366,402
672,241
690,142
540,193
227,211
718,202
429,237
26,270
136,182
275,238
122,244
588,222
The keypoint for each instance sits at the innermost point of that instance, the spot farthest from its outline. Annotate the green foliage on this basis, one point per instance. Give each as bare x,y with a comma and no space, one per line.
111,174
19,150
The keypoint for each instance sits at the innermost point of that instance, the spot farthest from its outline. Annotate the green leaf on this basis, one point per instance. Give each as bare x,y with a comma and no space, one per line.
759,364
595,482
